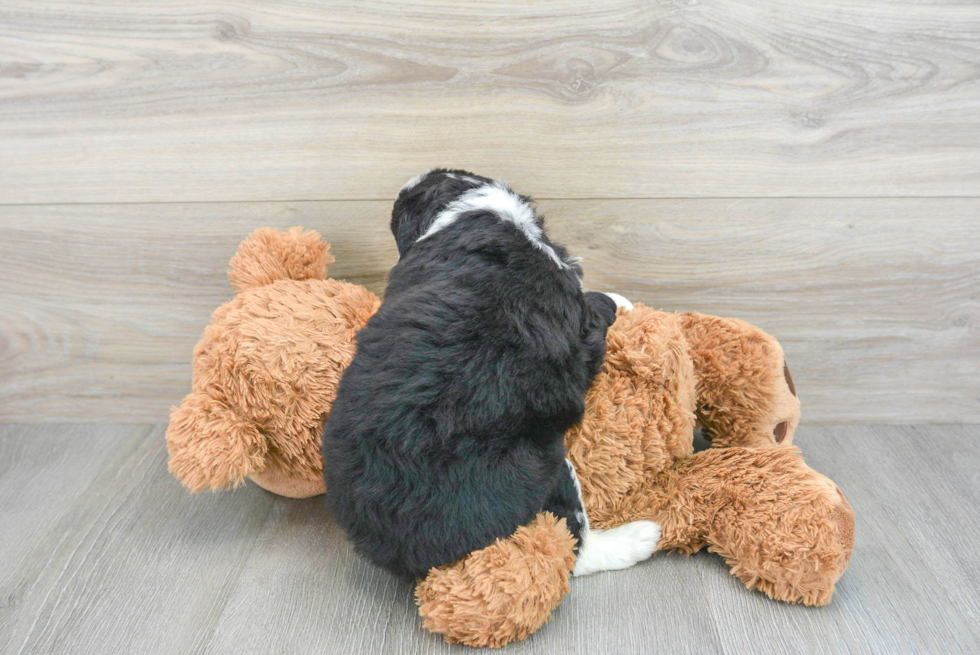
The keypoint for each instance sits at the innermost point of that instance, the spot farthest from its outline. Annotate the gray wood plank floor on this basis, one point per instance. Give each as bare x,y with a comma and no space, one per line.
102,551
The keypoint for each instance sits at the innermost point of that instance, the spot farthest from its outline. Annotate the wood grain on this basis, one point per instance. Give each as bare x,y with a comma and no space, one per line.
67,463
128,562
940,465
134,564
876,301
226,100
329,600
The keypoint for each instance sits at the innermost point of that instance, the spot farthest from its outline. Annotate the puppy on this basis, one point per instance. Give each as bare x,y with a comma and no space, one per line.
447,430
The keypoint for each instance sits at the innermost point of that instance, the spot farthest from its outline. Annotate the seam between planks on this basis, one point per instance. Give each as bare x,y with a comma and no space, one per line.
548,198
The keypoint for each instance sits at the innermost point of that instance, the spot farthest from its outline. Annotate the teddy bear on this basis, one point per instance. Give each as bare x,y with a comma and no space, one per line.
266,373
267,368
783,528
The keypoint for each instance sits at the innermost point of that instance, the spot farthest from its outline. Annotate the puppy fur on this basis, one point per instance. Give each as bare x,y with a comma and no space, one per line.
447,430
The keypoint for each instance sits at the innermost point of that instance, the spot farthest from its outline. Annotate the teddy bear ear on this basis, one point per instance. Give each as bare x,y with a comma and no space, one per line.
268,255
211,446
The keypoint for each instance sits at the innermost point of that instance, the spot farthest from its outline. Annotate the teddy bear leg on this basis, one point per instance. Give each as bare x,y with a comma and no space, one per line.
294,465
503,592
783,528
745,393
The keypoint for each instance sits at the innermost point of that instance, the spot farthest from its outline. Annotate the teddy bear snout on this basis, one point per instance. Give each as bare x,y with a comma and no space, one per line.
784,428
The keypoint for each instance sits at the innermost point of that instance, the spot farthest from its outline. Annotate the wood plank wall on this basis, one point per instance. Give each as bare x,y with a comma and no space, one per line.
812,167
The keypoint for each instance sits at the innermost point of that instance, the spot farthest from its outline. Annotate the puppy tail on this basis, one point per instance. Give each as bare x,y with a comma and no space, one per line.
211,446
268,255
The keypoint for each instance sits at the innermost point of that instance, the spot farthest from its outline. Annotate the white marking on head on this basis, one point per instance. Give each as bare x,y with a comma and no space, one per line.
415,180
507,205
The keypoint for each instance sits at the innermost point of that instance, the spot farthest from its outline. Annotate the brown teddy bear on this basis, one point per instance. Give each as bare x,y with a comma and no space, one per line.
267,368
266,372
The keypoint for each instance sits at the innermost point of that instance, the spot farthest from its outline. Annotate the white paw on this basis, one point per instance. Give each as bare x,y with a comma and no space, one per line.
618,548
645,534
620,301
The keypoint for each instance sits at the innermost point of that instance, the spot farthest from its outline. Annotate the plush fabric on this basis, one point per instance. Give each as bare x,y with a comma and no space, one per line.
503,592
744,388
266,372
267,368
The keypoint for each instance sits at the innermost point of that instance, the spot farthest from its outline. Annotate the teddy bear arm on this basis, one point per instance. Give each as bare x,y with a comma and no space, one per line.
783,528
355,303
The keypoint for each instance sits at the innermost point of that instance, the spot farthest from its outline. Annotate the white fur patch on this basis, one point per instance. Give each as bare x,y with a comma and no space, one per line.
618,548
503,202
415,180
620,301
582,517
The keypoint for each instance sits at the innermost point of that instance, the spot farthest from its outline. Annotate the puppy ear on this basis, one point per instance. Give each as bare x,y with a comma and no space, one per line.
602,309
404,224
600,313
420,201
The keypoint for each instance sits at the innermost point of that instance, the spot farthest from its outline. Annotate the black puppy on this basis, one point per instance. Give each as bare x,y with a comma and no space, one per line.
447,430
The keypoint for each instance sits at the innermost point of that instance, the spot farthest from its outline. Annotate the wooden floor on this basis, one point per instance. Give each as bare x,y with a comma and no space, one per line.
103,552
